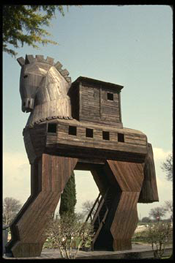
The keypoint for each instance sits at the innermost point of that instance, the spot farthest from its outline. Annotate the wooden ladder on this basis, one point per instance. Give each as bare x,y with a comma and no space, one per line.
98,214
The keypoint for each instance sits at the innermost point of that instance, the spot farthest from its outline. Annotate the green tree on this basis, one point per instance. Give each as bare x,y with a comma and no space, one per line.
157,213
23,24
68,197
145,219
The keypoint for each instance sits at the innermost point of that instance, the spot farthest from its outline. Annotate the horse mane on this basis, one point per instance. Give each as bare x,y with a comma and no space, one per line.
40,58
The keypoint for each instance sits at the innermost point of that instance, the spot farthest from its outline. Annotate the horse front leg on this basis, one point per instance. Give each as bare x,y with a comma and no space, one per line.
49,177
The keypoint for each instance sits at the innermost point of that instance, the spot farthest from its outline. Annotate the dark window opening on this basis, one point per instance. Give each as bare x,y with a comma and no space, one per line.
110,96
89,133
120,137
105,135
72,130
52,128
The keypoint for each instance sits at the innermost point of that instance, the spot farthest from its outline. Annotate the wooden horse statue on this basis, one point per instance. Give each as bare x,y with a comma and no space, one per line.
78,126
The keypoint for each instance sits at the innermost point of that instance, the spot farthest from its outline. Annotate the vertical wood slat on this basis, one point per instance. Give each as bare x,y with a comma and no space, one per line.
129,177
54,173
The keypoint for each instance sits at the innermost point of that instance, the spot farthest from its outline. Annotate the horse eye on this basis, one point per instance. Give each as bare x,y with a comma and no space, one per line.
25,76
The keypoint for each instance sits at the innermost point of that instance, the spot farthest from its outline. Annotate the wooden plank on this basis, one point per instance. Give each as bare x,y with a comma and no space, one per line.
135,141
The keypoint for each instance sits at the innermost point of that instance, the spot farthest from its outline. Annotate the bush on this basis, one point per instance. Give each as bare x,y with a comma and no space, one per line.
159,234
68,234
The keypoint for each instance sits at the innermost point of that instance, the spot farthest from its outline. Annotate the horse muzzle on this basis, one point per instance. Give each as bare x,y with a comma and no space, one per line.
27,104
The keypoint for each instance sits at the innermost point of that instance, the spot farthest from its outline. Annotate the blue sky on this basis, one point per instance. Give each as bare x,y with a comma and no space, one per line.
126,45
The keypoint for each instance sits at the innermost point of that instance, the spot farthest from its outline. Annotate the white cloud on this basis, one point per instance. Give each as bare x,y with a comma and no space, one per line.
160,154
16,176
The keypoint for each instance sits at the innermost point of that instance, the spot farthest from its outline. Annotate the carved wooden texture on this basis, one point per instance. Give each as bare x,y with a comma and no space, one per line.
129,177
50,176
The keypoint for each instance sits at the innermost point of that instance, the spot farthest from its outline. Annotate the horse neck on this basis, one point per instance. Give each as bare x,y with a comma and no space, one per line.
53,87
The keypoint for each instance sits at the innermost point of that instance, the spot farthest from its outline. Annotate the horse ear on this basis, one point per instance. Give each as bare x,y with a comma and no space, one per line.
29,59
21,61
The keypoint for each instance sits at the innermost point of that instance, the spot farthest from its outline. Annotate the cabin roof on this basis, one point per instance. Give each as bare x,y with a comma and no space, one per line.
97,82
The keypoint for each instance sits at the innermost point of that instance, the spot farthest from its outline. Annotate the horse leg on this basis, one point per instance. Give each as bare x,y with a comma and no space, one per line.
129,177
49,177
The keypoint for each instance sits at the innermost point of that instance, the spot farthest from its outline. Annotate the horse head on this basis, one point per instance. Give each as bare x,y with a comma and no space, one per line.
39,78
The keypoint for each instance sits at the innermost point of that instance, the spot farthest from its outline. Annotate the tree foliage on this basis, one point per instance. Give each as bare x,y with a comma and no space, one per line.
68,234
86,207
159,235
145,219
169,208
11,207
68,197
157,213
167,167
23,24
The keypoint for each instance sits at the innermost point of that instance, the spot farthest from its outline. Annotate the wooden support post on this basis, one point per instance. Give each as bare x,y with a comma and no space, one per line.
49,177
129,177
